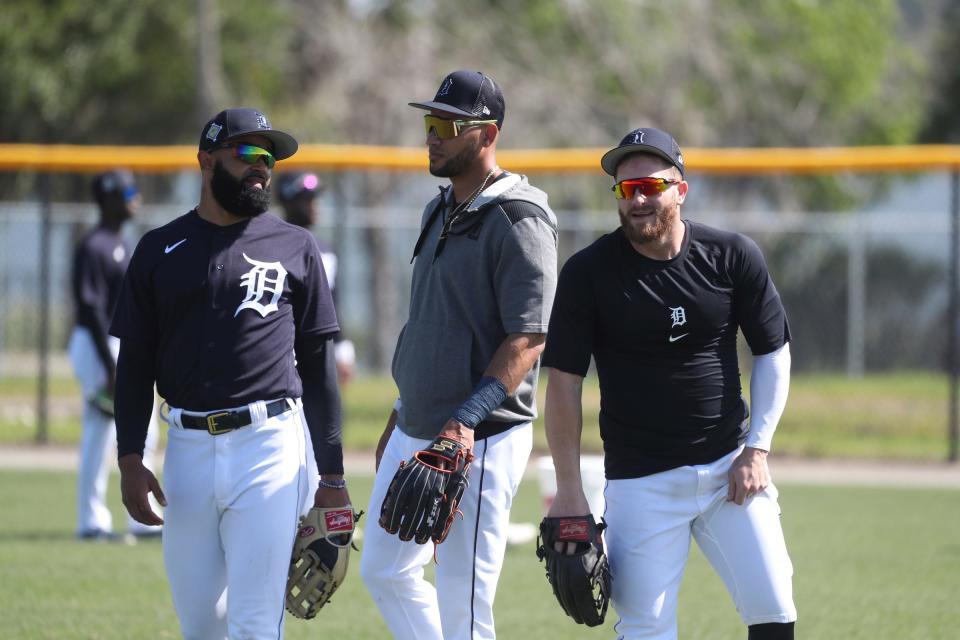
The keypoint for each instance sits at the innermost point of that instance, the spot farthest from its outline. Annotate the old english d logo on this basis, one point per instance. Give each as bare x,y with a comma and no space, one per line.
678,316
264,280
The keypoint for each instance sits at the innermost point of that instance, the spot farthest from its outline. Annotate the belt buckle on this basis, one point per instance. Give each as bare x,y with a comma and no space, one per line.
212,428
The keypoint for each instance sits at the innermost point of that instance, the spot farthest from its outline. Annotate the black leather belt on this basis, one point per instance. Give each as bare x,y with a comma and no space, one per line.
217,422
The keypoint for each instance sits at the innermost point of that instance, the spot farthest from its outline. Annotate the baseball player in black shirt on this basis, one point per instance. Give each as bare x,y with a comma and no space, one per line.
657,304
228,309
99,262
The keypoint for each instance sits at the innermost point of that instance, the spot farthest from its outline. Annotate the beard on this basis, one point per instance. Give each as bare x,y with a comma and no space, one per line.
234,196
458,163
651,231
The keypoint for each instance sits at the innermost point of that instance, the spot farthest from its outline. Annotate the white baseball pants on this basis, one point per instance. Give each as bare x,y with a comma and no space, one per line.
98,439
651,520
469,560
233,505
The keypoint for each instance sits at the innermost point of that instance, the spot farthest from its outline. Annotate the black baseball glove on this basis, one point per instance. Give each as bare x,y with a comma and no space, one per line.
581,580
422,500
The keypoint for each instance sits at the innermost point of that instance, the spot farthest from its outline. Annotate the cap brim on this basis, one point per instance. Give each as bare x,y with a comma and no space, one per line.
441,106
284,145
611,159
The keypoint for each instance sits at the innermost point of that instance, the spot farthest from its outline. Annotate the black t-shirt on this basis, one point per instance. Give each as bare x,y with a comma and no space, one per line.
663,335
222,307
99,262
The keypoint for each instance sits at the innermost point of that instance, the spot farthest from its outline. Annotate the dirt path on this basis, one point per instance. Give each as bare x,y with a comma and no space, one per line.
784,470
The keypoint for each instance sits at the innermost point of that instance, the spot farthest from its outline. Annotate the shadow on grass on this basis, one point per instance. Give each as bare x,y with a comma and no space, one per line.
44,536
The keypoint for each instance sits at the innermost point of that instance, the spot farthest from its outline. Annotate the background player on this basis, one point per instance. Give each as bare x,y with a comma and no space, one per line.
218,300
299,194
466,364
657,304
99,262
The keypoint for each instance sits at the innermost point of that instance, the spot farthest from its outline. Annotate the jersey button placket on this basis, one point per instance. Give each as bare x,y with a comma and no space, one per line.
216,284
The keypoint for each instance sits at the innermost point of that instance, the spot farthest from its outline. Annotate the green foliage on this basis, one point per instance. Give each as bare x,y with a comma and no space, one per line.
121,72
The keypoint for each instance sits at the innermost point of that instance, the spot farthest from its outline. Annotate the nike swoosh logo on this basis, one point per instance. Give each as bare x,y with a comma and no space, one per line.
171,247
675,338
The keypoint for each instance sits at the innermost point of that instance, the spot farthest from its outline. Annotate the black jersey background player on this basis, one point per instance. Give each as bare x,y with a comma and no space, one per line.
99,263
299,195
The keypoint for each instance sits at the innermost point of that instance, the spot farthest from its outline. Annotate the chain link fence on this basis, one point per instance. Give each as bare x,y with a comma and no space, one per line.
865,291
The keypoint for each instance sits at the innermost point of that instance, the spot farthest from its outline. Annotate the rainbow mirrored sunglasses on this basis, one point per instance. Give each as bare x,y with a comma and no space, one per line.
250,153
446,129
627,189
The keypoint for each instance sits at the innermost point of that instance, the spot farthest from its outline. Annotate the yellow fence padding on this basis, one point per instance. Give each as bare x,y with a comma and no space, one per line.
169,159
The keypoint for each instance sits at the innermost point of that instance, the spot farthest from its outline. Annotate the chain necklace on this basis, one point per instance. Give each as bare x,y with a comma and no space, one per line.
463,206
459,210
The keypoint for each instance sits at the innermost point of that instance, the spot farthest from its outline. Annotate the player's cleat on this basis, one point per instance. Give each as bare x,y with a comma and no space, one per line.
152,534
521,533
99,535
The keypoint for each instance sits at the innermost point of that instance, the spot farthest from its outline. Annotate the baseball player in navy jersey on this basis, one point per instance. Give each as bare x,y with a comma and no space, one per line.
228,309
99,262
466,364
657,304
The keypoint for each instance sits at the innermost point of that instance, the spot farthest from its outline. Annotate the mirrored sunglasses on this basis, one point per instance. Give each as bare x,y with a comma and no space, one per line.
627,189
446,129
251,154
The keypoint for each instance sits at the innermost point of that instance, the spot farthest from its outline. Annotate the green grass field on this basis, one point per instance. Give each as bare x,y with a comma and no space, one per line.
870,564
893,416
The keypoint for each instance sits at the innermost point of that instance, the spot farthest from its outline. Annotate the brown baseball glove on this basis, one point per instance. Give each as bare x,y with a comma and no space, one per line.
321,553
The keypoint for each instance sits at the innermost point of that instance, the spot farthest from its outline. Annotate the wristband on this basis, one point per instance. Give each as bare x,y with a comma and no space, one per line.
489,394
333,484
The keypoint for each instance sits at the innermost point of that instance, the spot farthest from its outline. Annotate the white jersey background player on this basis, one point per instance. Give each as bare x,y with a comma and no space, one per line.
99,263
466,364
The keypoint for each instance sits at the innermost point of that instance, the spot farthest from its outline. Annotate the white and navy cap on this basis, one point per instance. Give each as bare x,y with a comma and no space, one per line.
233,123
644,140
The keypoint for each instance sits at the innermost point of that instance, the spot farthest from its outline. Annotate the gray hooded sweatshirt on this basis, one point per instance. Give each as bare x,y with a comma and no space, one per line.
495,274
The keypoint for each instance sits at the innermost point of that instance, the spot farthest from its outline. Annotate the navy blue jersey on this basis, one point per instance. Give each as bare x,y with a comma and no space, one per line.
663,335
99,262
222,308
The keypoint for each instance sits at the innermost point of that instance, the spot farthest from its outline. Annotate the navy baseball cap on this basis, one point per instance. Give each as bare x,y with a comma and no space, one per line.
644,140
468,93
233,123
115,182
290,185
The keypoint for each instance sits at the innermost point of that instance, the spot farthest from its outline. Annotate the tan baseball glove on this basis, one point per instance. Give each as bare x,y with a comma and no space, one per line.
321,553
